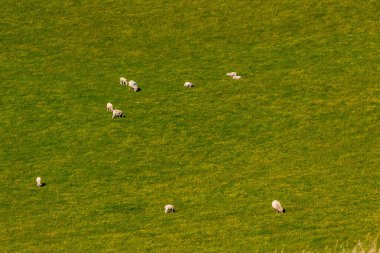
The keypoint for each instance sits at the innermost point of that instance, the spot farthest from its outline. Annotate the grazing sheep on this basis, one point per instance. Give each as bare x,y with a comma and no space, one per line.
277,206
117,113
231,74
236,77
133,85
38,182
109,107
123,81
188,84
169,209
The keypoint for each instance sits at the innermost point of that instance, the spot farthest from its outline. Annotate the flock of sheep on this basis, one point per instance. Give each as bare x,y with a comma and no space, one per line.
132,85
234,75
116,113
276,205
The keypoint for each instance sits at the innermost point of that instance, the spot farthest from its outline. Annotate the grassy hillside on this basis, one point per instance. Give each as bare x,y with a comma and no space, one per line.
301,126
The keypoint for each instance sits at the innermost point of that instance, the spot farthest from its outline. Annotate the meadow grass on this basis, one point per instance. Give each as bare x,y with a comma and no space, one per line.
301,126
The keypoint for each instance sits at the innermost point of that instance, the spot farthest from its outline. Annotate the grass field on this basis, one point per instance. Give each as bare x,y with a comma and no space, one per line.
301,126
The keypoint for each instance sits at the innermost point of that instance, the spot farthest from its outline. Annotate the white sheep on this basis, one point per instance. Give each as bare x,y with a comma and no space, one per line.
133,85
38,182
188,84
169,209
277,206
231,74
117,113
123,81
236,77
109,107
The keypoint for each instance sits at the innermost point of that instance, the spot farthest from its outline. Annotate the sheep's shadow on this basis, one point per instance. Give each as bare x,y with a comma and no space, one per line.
135,90
43,185
283,211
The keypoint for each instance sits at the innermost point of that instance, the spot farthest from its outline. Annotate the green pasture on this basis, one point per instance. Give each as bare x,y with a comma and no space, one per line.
301,126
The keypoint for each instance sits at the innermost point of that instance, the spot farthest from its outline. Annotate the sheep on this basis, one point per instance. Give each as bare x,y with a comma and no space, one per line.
123,81
231,74
117,113
236,77
109,107
188,84
38,182
133,85
169,209
277,206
